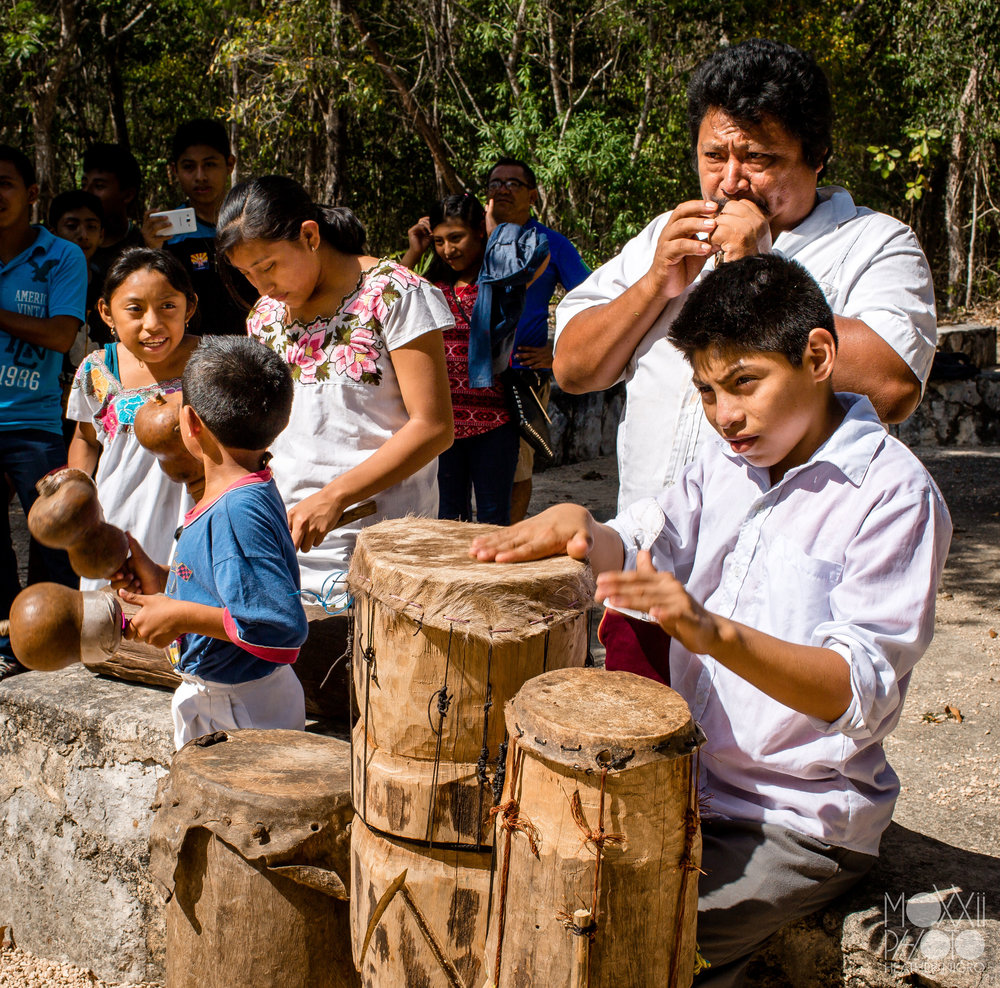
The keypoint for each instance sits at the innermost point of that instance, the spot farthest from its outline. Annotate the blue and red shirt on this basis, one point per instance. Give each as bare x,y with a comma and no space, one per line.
236,553
46,280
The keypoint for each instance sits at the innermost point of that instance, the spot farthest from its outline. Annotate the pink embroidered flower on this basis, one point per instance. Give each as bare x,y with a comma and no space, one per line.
265,315
109,420
404,276
369,304
307,353
358,356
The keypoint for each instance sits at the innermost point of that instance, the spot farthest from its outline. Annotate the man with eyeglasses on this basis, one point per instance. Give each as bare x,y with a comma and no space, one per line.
513,190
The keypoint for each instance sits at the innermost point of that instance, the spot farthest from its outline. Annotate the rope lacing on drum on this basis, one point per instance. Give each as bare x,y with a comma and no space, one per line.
509,822
501,770
597,838
443,703
484,752
371,674
345,655
411,603
692,820
588,662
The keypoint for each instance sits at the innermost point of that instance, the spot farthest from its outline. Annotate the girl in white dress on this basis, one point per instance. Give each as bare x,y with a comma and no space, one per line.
362,336
147,302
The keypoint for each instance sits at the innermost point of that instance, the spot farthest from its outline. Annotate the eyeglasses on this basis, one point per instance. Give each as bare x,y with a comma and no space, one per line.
510,184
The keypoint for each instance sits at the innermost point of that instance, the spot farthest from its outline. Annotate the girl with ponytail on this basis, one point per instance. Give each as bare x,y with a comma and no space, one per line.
362,337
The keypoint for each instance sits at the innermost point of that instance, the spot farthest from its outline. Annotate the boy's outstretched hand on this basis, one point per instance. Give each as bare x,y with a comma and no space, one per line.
566,529
663,597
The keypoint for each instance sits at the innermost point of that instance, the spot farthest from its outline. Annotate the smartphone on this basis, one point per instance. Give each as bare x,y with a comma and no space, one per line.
181,221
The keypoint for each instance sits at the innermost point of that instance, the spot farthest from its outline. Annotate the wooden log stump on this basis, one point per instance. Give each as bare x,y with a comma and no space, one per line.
251,846
599,812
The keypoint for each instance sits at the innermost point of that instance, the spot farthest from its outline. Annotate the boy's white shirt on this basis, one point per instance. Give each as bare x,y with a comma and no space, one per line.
870,267
845,552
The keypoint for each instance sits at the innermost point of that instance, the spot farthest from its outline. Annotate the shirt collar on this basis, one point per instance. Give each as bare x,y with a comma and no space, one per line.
258,477
835,206
850,449
43,241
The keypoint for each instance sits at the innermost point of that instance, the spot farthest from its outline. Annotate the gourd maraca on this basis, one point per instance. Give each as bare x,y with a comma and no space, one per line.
52,626
68,515
157,427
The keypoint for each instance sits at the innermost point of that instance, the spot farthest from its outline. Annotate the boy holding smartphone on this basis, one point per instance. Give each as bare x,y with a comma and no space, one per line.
201,162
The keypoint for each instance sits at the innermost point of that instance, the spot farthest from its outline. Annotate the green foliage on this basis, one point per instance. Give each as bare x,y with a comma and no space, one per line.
592,92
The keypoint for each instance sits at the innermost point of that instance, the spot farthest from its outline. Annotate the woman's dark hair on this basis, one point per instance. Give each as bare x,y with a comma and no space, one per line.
465,209
274,207
761,77
145,259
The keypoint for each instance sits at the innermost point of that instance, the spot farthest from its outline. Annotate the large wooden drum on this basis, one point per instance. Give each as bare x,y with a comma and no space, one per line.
441,642
251,842
418,914
597,842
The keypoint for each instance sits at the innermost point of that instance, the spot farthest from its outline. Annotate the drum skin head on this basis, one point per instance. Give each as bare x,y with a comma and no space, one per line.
592,719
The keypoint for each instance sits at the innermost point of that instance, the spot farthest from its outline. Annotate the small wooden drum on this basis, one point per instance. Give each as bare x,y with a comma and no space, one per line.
597,842
441,642
250,843
418,914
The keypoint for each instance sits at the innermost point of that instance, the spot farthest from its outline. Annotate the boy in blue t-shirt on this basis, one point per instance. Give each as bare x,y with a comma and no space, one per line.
43,289
231,615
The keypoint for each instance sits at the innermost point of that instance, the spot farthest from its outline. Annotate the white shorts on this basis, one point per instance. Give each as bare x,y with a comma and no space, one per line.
274,702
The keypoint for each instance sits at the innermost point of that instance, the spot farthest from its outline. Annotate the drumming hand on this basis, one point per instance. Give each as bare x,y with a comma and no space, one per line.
312,519
566,529
664,598
160,620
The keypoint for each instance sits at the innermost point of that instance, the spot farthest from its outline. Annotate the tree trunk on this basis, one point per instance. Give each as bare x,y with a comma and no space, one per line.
44,105
420,123
334,123
953,191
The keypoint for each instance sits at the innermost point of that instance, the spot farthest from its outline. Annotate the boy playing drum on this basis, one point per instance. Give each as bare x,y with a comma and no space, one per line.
795,565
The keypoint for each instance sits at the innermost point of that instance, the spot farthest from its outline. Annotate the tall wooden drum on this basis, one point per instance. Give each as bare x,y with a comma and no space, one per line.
251,842
441,642
418,913
597,836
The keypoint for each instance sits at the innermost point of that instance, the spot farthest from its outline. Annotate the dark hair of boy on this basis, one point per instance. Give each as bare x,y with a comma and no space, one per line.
274,207
117,160
761,77
67,202
241,390
505,162
764,304
464,208
209,133
21,162
146,259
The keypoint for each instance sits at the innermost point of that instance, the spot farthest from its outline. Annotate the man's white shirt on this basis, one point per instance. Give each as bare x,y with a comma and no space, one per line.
870,267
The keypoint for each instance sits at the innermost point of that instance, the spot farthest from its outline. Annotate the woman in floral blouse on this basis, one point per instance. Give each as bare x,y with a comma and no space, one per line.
362,336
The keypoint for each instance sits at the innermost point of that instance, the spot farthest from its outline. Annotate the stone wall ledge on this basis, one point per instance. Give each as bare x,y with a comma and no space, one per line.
80,758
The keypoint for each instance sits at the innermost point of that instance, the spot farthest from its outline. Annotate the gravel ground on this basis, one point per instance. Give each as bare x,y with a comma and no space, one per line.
19,969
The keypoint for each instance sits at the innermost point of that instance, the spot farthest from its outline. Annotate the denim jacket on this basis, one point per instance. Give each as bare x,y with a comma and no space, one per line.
513,255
